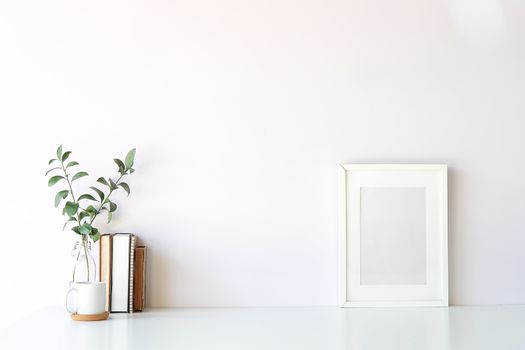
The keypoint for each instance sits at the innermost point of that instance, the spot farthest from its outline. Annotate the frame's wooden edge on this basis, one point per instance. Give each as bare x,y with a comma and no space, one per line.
444,248
389,166
395,304
342,235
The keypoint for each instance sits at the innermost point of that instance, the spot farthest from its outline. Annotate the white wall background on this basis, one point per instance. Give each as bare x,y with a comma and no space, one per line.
240,111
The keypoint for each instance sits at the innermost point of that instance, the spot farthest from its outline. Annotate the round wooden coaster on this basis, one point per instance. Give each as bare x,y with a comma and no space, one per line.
96,317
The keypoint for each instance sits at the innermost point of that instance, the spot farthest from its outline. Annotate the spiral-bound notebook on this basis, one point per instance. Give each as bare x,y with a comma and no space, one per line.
122,270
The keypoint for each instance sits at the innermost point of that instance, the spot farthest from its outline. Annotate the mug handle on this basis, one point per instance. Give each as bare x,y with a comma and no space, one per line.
75,309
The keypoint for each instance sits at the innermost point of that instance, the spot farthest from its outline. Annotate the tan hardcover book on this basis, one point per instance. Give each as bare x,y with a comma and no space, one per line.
105,259
140,278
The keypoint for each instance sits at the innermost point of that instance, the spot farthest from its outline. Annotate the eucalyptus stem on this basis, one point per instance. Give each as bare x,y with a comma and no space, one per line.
107,198
75,266
66,175
84,243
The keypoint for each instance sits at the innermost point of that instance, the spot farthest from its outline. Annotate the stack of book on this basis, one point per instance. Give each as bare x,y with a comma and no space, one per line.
123,268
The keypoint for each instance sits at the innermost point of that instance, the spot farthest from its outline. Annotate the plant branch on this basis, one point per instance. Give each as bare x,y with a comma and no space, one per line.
84,240
68,182
107,198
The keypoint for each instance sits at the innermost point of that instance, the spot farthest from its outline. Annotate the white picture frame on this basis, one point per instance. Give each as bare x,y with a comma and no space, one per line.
393,235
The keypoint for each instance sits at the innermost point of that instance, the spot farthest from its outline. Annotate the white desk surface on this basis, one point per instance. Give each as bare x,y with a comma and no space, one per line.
326,328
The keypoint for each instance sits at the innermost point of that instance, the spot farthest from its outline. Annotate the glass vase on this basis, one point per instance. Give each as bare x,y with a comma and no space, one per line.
84,265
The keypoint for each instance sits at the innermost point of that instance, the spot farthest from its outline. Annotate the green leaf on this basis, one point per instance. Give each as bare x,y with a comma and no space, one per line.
102,181
65,156
86,196
50,170
59,196
73,163
83,215
54,180
71,208
110,216
112,185
59,152
99,192
51,161
95,234
130,158
76,229
91,210
112,206
125,187
79,175
67,222
121,166
85,229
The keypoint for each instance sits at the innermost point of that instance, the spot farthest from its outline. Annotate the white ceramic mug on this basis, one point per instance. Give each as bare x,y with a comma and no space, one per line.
88,298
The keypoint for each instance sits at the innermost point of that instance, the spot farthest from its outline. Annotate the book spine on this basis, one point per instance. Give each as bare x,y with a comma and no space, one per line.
143,289
131,272
105,251
140,278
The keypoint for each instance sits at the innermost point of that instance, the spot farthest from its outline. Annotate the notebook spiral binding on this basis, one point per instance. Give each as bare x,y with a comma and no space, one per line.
131,272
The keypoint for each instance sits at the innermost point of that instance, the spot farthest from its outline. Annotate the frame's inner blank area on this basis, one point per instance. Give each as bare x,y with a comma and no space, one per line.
393,236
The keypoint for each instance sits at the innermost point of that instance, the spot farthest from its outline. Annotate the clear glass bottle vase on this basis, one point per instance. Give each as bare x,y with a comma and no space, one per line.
84,265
